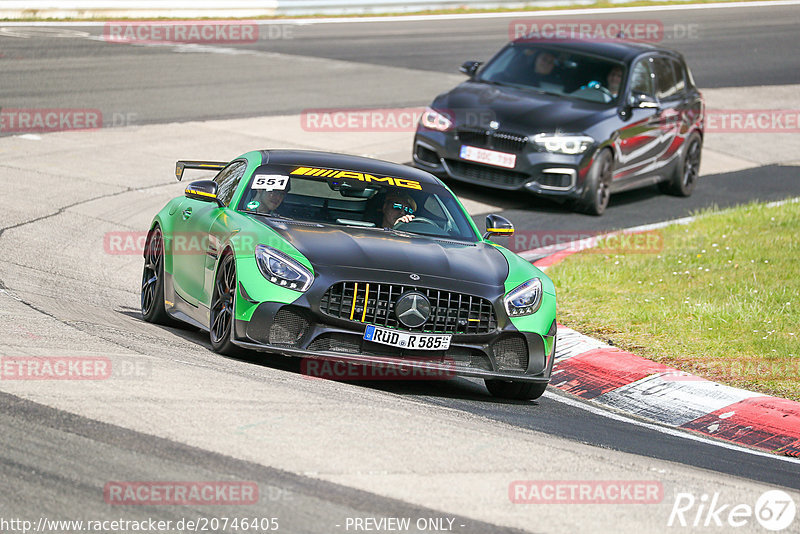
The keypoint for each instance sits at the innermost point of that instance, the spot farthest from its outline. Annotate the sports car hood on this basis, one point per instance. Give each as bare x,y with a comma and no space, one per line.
520,110
389,254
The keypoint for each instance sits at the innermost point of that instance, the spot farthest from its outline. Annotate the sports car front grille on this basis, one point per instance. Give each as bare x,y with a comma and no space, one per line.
502,141
373,303
489,175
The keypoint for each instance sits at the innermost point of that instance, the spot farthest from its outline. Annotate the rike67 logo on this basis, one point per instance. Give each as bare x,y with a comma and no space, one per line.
774,510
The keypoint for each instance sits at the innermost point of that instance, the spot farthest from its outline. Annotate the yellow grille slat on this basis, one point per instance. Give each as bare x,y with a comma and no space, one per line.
353,308
366,300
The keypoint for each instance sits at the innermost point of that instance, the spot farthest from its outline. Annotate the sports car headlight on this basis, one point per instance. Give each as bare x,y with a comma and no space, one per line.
524,299
282,270
563,144
433,120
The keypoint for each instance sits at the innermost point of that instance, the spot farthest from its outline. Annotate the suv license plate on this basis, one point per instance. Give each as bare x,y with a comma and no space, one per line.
490,157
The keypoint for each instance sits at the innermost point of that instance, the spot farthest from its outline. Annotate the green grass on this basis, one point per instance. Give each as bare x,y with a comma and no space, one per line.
602,4
721,299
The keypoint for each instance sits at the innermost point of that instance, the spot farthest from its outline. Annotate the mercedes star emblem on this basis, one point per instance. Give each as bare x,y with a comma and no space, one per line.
414,276
412,309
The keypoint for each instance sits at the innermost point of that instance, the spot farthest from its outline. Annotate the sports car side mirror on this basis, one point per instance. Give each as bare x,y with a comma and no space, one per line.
205,190
470,68
497,225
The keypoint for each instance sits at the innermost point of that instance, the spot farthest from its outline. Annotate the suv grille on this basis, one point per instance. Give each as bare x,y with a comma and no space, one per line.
490,175
451,313
503,141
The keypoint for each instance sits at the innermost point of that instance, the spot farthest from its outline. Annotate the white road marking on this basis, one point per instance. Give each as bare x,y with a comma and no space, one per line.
465,16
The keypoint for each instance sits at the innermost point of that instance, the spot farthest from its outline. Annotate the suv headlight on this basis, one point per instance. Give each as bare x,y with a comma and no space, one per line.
282,270
524,299
563,144
433,120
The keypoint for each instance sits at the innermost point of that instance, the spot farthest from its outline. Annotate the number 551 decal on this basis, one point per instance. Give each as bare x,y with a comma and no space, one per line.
270,181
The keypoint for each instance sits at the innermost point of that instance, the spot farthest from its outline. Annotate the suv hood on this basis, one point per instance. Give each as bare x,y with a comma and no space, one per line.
520,110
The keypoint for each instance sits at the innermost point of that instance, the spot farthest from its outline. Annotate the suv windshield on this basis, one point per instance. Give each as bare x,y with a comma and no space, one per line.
555,71
354,199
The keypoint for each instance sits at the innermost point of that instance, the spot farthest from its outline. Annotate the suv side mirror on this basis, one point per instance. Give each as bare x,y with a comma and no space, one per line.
470,68
497,225
641,100
204,190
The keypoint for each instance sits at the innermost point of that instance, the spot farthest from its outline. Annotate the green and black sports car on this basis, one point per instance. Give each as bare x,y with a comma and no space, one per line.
328,256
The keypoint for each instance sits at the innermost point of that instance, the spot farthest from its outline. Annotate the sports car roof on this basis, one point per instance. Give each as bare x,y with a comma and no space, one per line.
333,160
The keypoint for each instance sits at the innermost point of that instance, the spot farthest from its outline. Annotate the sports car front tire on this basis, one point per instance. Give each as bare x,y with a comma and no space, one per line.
504,389
152,296
222,303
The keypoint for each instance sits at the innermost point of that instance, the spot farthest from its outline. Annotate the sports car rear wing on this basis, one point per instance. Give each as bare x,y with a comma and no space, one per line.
198,165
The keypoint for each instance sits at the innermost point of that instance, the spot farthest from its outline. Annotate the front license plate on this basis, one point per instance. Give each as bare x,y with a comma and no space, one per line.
490,157
406,340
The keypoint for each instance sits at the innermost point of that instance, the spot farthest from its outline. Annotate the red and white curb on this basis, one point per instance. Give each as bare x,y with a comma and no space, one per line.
613,378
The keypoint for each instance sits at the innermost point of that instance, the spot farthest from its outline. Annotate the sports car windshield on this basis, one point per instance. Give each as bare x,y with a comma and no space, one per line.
414,208
555,71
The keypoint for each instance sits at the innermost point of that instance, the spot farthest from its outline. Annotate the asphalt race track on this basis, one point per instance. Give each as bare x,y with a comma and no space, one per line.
320,451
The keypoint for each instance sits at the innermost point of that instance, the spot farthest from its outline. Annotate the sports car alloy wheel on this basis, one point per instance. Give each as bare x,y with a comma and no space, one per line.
222,306
152,298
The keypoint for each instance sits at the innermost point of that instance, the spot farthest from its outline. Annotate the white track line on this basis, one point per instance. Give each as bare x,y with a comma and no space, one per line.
461,16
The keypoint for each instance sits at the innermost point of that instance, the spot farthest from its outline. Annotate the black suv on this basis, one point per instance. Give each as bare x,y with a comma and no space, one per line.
574,121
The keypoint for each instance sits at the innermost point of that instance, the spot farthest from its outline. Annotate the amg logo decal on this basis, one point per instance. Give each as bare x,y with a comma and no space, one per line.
364,177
